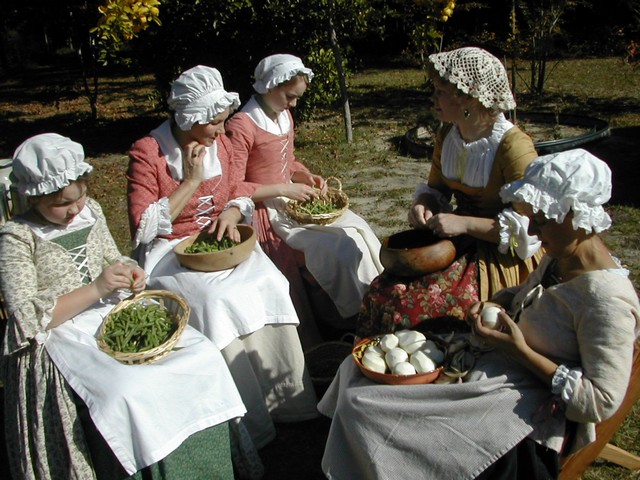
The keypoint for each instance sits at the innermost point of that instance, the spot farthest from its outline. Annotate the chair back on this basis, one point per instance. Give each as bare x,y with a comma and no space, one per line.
573,466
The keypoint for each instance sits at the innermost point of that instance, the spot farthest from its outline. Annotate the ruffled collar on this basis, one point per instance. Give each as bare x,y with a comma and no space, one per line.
260,118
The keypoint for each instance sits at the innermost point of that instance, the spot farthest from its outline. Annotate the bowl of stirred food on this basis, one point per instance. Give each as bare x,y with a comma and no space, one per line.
205,253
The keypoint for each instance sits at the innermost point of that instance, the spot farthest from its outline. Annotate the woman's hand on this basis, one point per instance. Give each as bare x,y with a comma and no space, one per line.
193,161
310,179
227,224
508,337
419,214
447,225
299,191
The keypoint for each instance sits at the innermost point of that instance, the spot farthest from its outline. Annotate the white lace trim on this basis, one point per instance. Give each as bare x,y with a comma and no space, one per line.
155,221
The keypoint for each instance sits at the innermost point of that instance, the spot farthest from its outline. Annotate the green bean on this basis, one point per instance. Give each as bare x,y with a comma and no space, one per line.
317,206
137,328
210,245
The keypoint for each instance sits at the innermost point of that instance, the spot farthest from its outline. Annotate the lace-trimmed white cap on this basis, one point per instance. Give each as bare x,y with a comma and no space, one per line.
574,180
478,73
47,163
198,95
277,69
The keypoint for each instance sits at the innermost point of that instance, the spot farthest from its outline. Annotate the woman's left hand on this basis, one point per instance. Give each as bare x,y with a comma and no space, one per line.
310,179
227,224
447,225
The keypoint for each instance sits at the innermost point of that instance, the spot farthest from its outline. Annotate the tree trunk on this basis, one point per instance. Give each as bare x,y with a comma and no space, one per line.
344,94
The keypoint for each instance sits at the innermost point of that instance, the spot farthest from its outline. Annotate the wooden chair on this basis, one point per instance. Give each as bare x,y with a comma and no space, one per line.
574,465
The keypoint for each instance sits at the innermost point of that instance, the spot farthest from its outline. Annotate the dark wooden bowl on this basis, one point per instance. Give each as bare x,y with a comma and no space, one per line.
416,252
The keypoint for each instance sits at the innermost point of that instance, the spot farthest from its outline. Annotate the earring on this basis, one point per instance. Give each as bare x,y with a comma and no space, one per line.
466,113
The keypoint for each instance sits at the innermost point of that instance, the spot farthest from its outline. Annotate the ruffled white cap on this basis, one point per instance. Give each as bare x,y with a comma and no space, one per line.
198,95
47,163
478,73
277,69
555,184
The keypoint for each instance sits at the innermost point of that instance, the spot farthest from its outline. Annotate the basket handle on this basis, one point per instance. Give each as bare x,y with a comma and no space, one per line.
335,179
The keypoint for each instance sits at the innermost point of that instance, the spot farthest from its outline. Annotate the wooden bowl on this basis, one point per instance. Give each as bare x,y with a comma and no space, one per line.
416,252
220,260
389,378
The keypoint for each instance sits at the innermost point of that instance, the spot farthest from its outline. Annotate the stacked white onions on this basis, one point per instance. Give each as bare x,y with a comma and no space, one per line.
405,352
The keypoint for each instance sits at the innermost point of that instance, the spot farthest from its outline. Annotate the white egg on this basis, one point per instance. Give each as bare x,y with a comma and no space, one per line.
403,368
410,340
489,316
374,362
422,362
388,342
395,355
375,349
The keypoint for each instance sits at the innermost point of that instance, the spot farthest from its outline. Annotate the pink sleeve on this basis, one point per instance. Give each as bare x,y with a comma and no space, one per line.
241,131
142,181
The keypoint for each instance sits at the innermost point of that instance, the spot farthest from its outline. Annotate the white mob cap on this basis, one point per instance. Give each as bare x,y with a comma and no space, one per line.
198,95
47,163
277,69
476,72
555,184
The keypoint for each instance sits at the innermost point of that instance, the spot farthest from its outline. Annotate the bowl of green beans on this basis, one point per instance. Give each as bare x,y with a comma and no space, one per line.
144,328
204,253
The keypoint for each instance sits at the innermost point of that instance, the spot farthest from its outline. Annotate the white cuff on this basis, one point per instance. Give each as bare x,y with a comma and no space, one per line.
514,236
246,206
155,221
442,201
564,382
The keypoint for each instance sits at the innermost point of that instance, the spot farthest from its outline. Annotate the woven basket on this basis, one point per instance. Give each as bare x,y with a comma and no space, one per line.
178,311
334,194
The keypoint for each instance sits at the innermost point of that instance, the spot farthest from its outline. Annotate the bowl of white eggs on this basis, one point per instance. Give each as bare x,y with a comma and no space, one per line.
405,357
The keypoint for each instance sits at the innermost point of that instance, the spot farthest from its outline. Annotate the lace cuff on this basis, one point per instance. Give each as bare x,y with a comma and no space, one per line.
155,221
246,206
564,382
441,200
514,236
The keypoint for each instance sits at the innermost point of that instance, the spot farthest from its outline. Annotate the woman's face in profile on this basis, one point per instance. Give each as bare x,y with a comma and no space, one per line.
558,239
446,101
286,95
205,134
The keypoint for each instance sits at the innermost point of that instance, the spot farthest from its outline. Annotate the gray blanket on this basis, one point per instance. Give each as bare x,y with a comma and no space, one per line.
434,431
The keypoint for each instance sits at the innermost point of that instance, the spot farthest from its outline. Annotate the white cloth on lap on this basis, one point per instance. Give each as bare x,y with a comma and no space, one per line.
343,256
226,304
431,431
144,412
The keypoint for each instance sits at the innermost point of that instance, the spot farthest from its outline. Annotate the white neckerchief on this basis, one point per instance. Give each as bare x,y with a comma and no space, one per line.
84,219
281,126
471,163
173,153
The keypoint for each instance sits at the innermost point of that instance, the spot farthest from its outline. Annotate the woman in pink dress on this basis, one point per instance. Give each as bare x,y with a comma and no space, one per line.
342,258
180,182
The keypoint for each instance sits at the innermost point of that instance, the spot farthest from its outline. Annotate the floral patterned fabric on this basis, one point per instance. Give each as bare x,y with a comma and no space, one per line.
394,303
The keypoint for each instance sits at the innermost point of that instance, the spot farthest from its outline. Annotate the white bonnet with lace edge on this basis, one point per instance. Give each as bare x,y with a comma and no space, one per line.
198,95
276,69
574,180
47,163
478,73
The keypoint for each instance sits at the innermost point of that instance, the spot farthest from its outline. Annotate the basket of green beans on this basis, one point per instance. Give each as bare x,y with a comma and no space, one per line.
322,210
144,328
